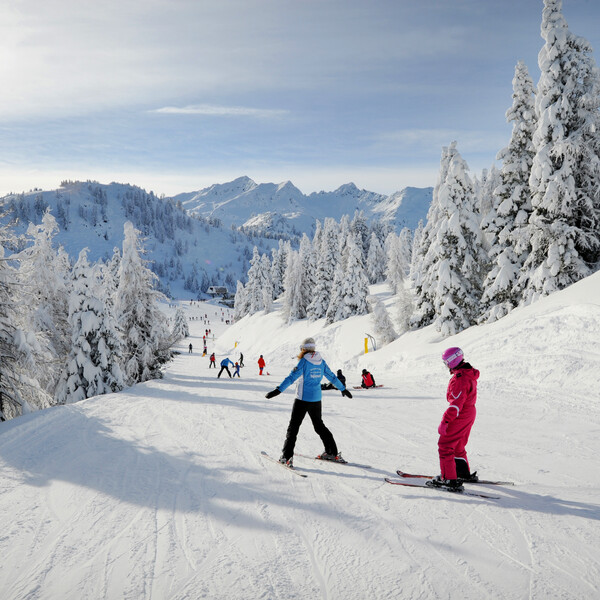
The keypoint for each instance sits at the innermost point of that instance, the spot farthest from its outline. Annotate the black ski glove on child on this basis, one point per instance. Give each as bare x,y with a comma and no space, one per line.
346,393
273,393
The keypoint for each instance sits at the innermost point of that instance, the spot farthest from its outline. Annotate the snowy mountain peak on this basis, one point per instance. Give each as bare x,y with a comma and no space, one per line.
288,186
347,188
243,202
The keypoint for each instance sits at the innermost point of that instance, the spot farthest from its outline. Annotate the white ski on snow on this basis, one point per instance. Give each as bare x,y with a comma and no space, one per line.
338,462
291,469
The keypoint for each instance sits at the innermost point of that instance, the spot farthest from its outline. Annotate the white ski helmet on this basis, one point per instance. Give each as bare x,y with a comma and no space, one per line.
308,344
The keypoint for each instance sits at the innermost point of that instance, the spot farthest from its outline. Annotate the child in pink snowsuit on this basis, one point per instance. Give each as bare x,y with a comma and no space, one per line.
459,417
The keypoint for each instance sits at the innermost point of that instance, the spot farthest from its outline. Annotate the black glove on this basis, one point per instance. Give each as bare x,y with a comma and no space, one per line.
273,393
346,393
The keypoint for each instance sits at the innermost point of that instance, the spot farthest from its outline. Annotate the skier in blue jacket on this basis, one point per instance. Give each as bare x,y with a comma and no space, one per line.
225,367
309,372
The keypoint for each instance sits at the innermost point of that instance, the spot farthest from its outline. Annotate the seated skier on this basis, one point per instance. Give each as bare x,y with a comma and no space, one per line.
330,386
368,381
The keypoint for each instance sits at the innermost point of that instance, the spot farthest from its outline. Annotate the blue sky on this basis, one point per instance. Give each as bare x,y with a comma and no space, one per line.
174,95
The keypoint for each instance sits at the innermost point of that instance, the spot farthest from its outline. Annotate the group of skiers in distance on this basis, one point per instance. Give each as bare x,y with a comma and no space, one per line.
368,381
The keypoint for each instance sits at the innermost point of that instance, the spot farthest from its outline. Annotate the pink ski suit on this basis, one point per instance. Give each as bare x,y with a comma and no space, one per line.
458,419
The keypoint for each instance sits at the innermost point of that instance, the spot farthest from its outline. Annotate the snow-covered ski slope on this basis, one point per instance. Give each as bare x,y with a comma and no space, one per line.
160,492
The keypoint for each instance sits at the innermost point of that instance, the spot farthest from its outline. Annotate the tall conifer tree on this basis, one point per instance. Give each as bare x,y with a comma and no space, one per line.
507,223
451,283
564,175
143,325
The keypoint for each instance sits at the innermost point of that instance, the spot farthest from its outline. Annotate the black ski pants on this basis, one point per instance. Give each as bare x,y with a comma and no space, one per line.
299,410
224,369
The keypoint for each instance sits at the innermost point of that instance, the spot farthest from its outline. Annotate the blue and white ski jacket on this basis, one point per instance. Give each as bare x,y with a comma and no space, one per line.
309,372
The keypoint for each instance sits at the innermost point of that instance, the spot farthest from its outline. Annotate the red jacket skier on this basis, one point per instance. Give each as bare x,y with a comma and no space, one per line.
261,364
457,421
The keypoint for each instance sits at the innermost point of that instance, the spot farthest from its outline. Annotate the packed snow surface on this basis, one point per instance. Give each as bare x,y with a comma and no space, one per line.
161,491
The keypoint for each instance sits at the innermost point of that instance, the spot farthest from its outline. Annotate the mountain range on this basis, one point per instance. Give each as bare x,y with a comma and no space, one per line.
283,208
201,238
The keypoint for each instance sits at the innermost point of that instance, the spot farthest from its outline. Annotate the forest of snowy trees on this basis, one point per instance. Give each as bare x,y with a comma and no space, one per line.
329,276
72,332
490,244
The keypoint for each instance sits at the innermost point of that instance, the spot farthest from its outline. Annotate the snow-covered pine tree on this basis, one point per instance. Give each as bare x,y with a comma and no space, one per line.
381,230
352,291
343,231
308,268
292,309
360,228
278,266
451,285
44,272
334,309
253,287
404,308
486,202
21,352
240,302
405,245
394,264
142,323
506,224
317,238
421,275
266,283
326,260
563,226
109,274
112,267
384,327
376,260
415,256
92,367
181,328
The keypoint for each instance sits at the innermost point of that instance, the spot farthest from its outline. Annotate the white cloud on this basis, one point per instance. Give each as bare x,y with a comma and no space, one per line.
221,111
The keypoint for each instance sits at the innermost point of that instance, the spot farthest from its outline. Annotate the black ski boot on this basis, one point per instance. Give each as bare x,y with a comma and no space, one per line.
452,485
471,478
463,473
288,462
332,457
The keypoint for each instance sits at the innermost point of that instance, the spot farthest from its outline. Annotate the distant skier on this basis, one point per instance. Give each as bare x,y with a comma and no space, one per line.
213,362
456,422
309,372
237,370
368,381
190,349
261,364
225,367
241,361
